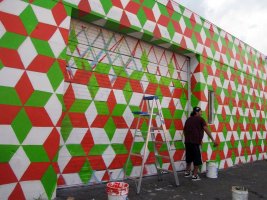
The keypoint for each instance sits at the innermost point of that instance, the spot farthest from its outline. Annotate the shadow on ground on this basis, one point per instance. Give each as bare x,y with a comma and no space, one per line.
253,176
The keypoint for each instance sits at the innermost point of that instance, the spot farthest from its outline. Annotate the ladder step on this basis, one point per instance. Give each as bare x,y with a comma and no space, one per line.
136,154
133,178
150,97
143,114
165,170
156,128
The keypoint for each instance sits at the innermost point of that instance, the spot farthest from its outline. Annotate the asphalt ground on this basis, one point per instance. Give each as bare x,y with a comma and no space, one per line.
252,176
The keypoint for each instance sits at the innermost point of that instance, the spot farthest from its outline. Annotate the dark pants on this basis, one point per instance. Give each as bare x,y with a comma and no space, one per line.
193,154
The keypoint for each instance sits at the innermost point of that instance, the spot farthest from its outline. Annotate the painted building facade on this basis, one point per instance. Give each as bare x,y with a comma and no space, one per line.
72,72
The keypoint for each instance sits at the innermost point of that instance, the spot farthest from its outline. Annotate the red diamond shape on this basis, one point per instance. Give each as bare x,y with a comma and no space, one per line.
24,88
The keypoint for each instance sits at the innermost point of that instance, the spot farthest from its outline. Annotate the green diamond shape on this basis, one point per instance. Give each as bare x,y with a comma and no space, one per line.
119,109
55,75
45,4
98,149
29,19
36,153
11,40
86,172
21,125
49,181
119,148
110,128
66,127
101,107
42,47
127,95
80,105
38,99
7,152
141,16
75,150
9,96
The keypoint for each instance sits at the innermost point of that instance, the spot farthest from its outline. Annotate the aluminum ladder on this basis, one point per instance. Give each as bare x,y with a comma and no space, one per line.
153,110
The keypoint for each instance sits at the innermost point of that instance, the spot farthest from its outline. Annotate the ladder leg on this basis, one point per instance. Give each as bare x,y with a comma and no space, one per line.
131,149
146,146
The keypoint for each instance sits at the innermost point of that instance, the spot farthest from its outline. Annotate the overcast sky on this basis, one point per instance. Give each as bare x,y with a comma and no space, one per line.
245,19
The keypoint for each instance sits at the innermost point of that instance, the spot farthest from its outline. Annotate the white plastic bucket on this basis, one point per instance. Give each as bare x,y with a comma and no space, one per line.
117,190
212,169
239,193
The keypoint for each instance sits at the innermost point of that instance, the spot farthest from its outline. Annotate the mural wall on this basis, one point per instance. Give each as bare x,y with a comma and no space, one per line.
109,73
46,138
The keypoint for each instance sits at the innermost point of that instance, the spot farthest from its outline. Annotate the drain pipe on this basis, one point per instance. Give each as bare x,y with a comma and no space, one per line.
189,86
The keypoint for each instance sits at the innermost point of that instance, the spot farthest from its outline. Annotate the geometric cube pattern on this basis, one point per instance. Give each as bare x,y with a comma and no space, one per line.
240,112
32,39
103,84
108,75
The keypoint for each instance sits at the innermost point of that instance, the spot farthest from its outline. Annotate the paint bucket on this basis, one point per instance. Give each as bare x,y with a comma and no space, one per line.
239,193
212,169
117,190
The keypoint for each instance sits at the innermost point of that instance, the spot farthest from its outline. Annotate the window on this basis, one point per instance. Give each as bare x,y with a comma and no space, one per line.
210,107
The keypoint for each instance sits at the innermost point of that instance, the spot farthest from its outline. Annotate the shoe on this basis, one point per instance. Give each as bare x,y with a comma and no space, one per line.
187,174
195,178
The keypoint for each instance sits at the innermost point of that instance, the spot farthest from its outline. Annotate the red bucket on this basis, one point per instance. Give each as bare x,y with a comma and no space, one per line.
117,190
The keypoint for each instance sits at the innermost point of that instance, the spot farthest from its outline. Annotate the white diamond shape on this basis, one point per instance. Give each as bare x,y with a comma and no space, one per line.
44,15
115,13
91,113
119,97
54,108
156,11
27,52
97,7
37,135
36,192
19,163
102,94
14,7
128,116
10,76
76,135
40,81
57,43
108,156
8,136
119,136
63,157
137,99
72,179
99,136
6,190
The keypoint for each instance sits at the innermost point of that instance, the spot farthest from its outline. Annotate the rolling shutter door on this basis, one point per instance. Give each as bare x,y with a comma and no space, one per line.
108,74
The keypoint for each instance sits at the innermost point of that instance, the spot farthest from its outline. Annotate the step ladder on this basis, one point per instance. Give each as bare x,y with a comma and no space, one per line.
153,110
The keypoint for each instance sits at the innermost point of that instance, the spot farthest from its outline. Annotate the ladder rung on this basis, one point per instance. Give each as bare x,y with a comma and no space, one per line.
165,170
136,154
150,97
132,178
166,157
